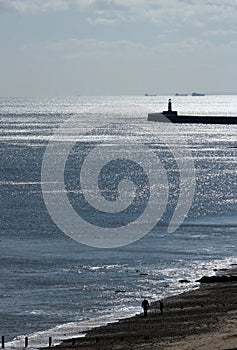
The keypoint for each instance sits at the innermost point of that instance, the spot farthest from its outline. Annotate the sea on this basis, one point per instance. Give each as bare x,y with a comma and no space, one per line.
69,262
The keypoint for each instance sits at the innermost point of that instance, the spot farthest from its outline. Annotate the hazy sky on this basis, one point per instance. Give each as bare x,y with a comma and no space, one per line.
117,47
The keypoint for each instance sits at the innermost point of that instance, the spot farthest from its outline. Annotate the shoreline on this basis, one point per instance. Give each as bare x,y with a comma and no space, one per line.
203,318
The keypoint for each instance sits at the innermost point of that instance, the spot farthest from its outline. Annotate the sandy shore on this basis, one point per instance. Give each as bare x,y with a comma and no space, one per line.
205,319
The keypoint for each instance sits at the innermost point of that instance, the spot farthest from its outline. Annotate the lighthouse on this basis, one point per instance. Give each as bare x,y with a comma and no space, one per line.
170,112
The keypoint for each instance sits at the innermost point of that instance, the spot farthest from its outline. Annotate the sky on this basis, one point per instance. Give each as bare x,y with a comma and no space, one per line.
117,47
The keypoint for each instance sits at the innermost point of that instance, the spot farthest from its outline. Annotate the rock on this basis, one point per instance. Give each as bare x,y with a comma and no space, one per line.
184,281
217,279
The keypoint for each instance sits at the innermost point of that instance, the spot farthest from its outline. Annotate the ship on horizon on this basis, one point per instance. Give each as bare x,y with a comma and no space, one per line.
197,94
146,94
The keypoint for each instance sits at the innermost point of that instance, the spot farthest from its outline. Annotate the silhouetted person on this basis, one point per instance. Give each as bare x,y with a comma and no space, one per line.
145,306
169,105
161,306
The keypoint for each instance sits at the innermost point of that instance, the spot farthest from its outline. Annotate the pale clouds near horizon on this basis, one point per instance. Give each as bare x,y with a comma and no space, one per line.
97,47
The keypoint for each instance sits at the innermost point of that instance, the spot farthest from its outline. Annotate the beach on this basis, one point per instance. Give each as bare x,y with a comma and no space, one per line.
205,318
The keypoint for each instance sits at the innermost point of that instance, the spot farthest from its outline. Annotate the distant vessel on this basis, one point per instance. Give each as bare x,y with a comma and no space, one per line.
173,117
177,94
197,94
146,94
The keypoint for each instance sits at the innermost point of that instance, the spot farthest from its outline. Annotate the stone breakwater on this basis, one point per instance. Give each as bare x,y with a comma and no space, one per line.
173,117
190,119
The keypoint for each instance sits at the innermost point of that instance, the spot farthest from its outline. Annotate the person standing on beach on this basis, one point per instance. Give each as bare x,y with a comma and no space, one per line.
145,306
161,306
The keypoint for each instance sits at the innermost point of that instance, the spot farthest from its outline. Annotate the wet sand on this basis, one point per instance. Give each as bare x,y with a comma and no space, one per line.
205,318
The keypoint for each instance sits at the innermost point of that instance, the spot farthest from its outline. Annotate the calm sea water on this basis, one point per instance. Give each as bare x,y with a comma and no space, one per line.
52,285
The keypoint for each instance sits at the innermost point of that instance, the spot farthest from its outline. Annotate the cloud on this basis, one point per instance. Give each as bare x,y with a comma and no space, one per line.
221,33
186,22
32,6
74,47
152,10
